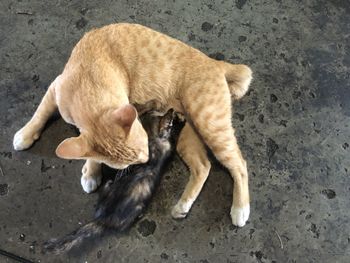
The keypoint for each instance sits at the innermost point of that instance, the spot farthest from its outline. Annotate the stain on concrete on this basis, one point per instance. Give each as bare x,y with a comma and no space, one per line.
258,255
271,148
146,227
261,118
238,116
329,193
164,256
315,230
191,36
217,56
83,11
273,98
240,3
6,154
4,189
206,26
283,123
81,23
44,167
242,39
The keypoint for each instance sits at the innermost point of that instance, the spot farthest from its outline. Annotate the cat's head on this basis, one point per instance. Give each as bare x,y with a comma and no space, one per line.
115,138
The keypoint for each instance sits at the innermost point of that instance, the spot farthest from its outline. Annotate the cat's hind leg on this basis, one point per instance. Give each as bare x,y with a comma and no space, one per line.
26,136
192,151
208,105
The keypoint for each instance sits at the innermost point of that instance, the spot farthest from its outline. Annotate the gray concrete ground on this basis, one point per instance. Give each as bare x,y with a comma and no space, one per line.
293,129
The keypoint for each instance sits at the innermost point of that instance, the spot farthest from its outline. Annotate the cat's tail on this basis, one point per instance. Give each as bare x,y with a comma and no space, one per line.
76,238
238,77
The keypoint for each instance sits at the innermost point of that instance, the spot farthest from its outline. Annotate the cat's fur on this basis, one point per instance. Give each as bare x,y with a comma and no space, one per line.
124,200
120,64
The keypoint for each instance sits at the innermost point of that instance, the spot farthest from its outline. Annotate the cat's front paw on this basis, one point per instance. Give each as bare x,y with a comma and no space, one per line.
180,210
240,215
90,184
23,139
91,178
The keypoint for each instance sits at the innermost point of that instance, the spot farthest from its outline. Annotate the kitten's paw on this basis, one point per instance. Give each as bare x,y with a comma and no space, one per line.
180,210
90,184
24,139
240,215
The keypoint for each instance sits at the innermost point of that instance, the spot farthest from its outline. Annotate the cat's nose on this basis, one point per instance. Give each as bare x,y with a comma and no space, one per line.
143,156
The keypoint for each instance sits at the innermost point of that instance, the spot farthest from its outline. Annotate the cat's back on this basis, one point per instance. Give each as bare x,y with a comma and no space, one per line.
120,34
152,65
132,44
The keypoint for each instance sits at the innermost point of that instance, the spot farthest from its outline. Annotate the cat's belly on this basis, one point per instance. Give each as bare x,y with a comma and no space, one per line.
159,95
162,108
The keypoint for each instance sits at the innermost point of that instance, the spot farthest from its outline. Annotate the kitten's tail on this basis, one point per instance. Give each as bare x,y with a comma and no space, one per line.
238,77
57,246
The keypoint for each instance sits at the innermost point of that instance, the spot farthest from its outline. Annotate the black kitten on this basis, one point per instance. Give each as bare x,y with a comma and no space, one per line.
126,198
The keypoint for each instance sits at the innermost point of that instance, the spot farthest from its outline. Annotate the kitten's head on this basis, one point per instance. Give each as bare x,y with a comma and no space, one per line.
115,138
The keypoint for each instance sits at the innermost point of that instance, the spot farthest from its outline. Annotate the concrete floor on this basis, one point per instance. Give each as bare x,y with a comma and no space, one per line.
293,129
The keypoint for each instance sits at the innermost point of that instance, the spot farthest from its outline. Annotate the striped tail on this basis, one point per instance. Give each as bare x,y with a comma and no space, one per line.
76,238
238,78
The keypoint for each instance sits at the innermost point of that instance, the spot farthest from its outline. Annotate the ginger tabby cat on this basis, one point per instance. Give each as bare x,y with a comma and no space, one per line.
122,64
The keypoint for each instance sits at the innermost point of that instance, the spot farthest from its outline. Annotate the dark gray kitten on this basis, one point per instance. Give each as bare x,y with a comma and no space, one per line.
123,200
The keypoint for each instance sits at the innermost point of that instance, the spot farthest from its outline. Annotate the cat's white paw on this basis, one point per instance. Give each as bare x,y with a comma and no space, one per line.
90,184
181,209
91,178
24,139
240,215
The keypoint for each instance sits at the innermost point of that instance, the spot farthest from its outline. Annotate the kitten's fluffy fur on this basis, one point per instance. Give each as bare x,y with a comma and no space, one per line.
120,64
124,200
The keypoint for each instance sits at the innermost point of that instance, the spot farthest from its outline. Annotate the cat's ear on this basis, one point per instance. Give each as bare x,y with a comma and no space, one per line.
125,117
73,148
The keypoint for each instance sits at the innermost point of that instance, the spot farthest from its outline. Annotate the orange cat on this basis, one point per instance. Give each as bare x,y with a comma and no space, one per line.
120,64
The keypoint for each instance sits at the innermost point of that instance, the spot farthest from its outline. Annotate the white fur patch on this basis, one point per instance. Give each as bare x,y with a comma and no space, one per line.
90,179
240,215
166,146
21,141
181,209
142,190
157,113
90,184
